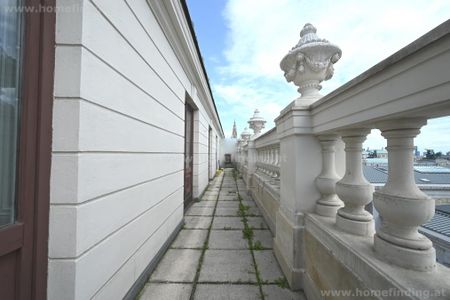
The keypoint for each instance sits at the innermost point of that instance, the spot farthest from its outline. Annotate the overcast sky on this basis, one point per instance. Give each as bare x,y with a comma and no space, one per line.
243,41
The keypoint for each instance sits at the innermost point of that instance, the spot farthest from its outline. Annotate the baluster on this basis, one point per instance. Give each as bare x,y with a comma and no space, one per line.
329,203
353,189
402,206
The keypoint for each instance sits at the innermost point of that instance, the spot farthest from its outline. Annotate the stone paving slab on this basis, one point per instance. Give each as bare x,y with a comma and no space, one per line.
265,237
227,239
221,223
200,211
177,265
210,195
228,198
246,197
166,291
268,267
228,191
227,211
210,198
253,211
204,203
227,292
190,239
234,266
274,292
192,222
256,223
250,203
228,204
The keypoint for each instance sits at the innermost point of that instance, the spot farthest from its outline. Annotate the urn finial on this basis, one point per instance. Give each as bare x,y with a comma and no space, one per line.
309,63
245,135
256,123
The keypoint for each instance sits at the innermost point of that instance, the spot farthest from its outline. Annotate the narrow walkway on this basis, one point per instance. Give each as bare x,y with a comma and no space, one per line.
224,251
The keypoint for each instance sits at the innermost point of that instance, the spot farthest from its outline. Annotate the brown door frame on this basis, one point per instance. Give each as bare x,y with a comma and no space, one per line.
209,152
189,109
28,236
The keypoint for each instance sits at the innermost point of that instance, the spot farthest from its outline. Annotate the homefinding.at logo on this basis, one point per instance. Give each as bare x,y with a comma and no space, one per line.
40,8
391,292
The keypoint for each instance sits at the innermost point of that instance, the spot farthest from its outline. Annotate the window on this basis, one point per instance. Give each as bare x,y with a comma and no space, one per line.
10,73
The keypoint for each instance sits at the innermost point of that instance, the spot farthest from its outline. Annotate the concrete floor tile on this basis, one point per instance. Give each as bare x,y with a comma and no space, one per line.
268,267
166,291
190,239
204,203
177,265
221,223
227,211
228,198
227,239
192,222
274,292
227,266
257,223
227,292
264,237
250,203
228,204
209,197
200,211
246,197
253,211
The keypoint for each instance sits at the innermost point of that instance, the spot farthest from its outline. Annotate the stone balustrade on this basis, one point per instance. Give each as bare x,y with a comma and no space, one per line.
306,173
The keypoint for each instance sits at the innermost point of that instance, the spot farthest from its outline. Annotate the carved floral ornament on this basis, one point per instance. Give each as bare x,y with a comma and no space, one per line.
310,62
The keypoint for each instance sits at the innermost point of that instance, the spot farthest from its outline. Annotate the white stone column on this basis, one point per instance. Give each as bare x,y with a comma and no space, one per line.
353,189
402,206
329,203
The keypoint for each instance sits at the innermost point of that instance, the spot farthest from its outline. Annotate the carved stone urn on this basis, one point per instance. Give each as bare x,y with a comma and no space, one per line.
245,135
309,63
256,123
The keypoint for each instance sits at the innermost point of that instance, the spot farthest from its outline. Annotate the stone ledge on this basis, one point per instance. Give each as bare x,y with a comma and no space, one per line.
356,254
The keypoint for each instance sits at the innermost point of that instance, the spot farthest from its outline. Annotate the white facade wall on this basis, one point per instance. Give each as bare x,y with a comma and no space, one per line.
118,144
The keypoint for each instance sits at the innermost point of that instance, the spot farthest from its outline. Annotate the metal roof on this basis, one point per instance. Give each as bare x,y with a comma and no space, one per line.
380,175
440,223
432,169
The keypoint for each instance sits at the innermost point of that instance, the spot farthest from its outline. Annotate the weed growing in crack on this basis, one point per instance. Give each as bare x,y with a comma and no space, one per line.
248,233
282,282
257,246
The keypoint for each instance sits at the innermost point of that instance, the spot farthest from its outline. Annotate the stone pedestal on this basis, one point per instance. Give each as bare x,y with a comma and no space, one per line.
300,153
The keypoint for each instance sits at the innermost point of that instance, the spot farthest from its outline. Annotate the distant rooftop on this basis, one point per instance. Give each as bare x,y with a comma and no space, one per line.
379,175
440,223
432,169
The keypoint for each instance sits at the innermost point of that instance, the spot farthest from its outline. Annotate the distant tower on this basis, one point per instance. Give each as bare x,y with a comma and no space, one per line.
234,134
